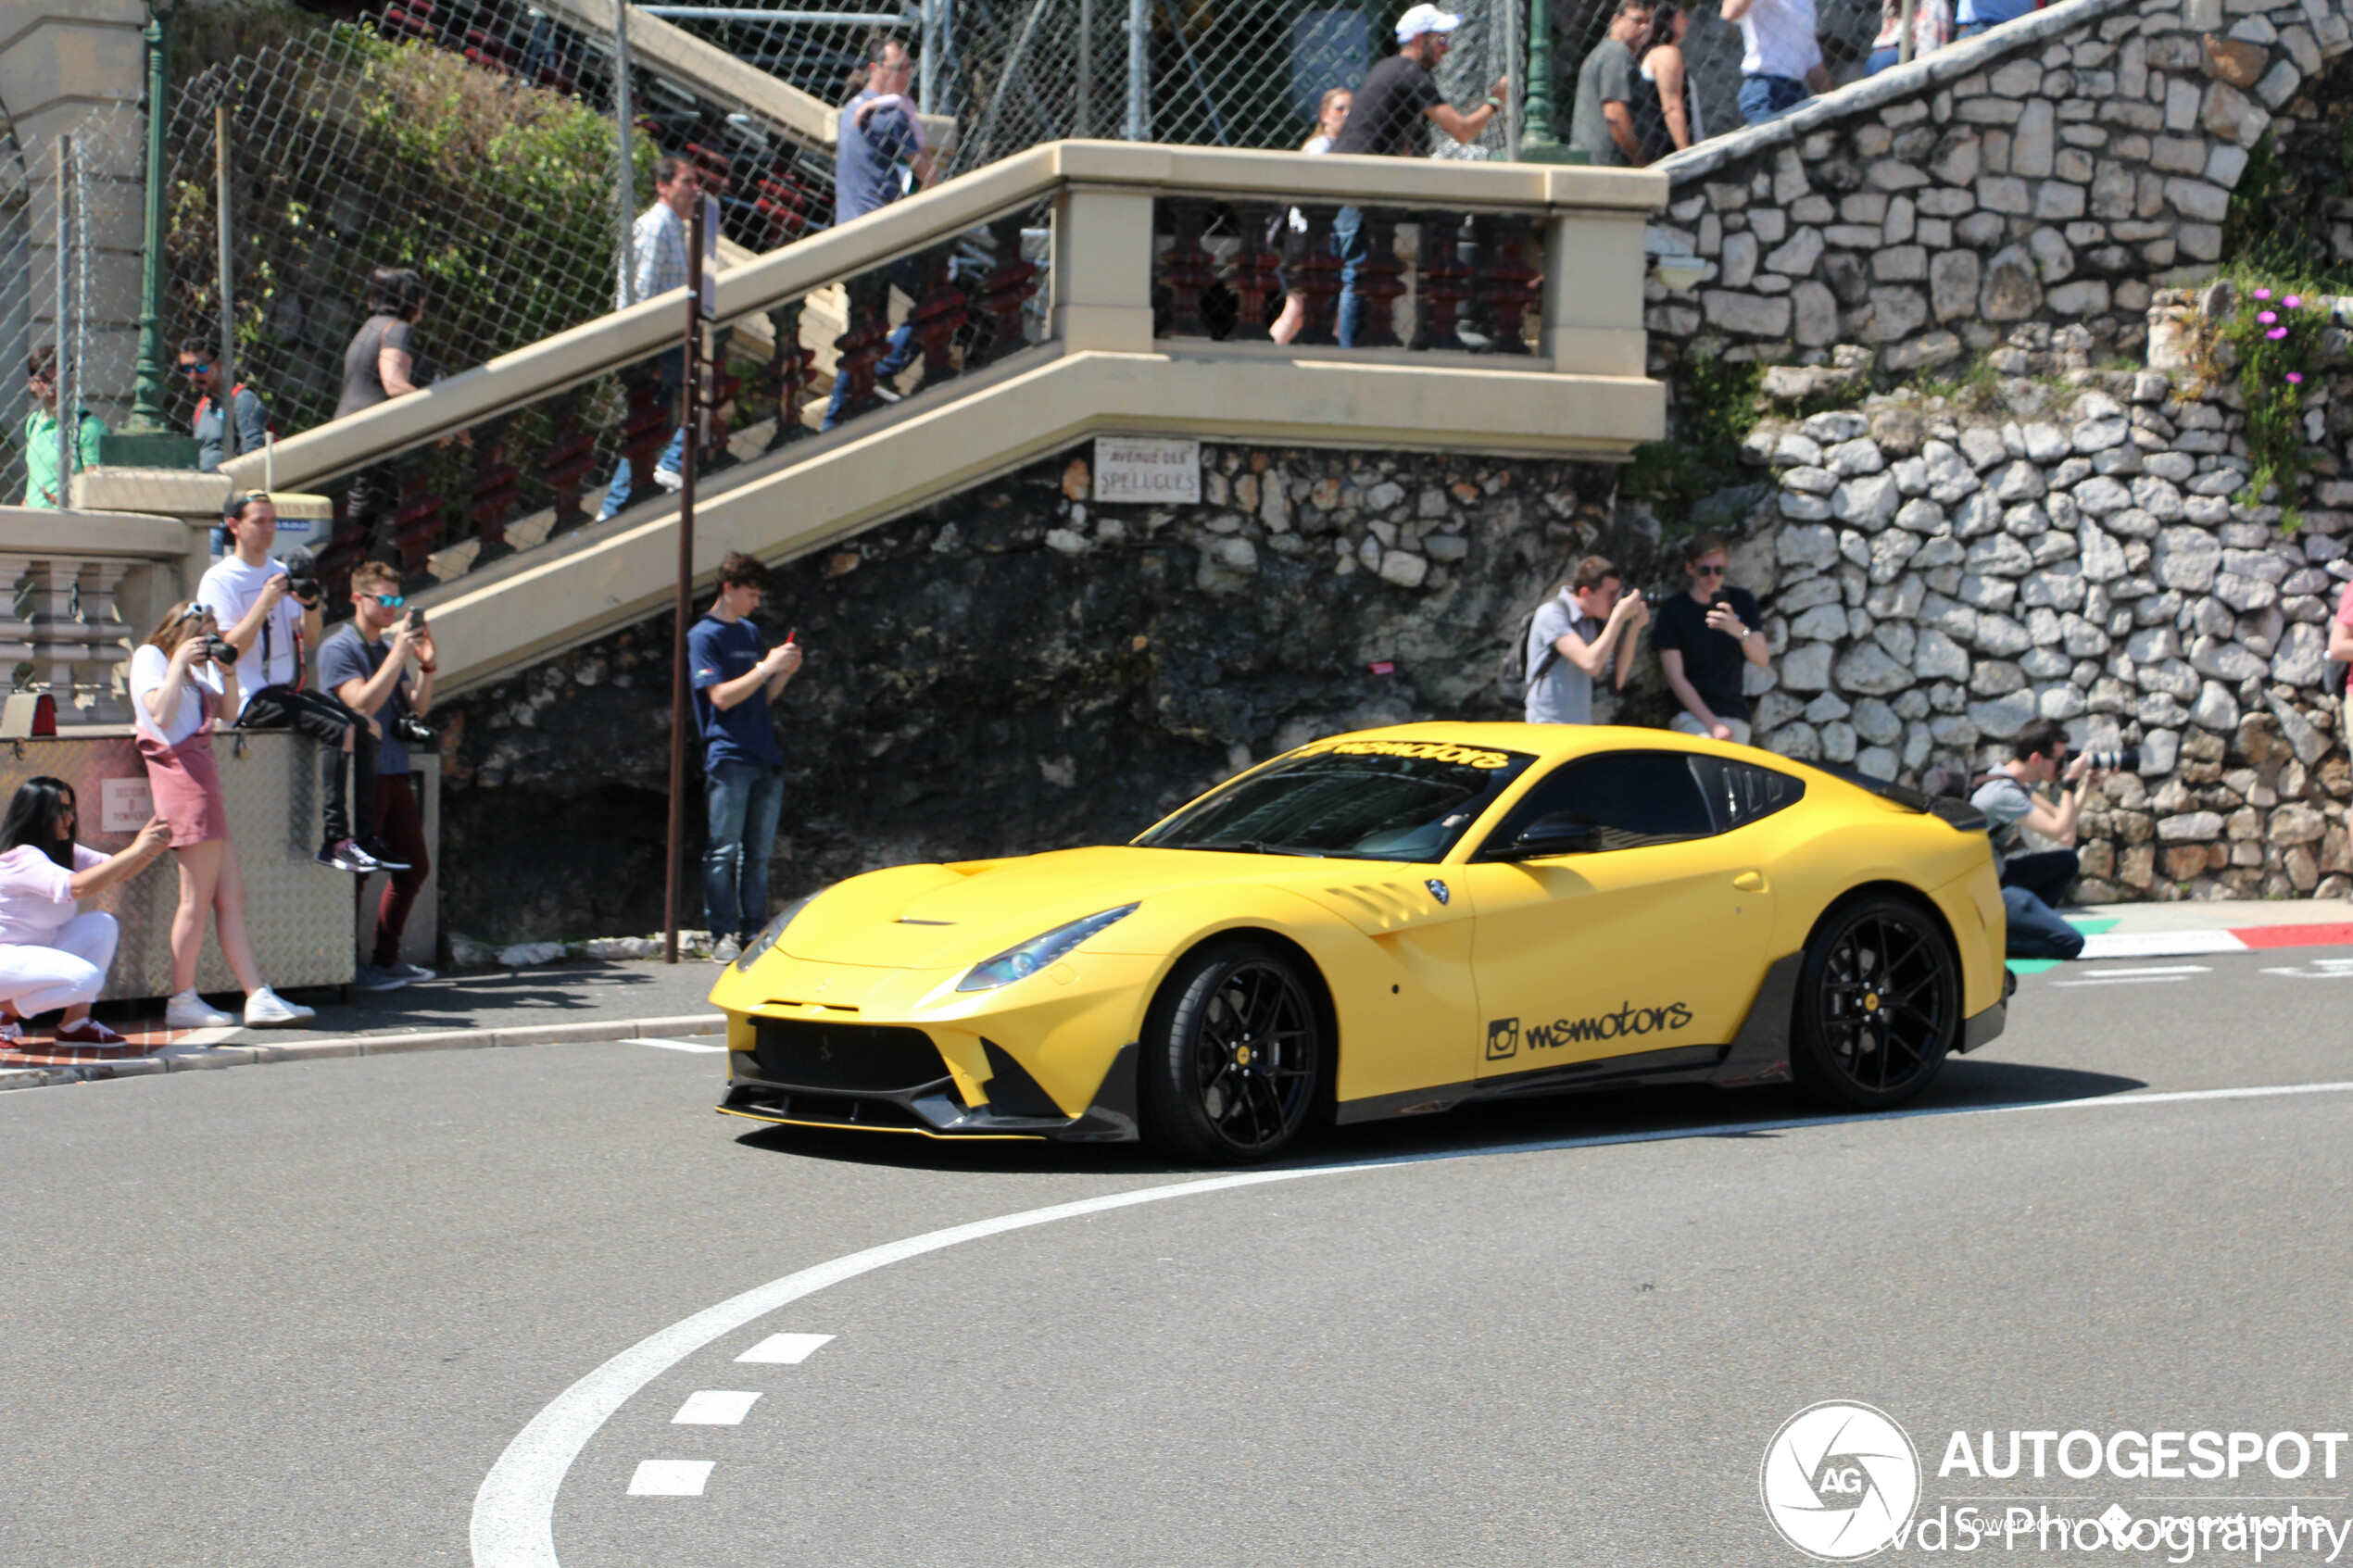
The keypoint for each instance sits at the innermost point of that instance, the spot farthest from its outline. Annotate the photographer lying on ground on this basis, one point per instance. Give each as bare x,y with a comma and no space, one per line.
2033,883
368,671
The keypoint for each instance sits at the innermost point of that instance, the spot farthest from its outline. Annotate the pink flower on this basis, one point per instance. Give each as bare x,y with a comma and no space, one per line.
2295,378
2262,293
2267,316
2293,303
2276,334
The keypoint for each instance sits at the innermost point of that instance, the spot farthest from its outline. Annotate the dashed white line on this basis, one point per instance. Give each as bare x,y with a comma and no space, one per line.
514,1514
2128,980
676,1044
785,1350
2166,969
714,1407
671,1477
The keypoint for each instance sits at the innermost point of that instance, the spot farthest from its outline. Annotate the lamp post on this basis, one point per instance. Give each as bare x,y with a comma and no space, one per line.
1536,142
147,439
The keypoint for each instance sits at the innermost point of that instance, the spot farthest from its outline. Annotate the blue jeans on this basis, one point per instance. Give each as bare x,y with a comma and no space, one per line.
1348,243
1883,59
898,353
2036,931
744,799
1770,97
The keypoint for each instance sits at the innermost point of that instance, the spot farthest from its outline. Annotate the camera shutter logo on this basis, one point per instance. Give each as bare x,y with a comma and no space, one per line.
1840,1481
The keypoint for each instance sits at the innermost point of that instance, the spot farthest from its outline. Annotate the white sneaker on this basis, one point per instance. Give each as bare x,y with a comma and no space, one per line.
670,480
188,1011
266,1010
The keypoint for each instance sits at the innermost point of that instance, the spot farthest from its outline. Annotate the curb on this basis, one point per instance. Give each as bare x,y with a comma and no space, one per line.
213,1058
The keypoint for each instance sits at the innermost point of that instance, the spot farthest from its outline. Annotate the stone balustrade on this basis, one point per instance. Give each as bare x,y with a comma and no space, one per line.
85,589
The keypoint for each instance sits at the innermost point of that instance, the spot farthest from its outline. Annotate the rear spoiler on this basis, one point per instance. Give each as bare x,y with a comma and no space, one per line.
1959,814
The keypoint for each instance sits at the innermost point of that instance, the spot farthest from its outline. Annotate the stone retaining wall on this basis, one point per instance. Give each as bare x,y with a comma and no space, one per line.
1937,579
2054,172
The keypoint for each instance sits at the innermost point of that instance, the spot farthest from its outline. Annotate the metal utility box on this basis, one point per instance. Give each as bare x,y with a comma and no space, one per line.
298,913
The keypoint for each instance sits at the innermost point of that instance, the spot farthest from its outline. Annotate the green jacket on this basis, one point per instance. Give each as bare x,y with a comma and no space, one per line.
40,487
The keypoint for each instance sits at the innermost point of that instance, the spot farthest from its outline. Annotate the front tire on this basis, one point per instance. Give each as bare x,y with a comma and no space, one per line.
1232,1049
1879,1005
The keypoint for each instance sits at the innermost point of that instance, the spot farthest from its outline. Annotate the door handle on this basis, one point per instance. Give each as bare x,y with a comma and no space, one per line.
1750,882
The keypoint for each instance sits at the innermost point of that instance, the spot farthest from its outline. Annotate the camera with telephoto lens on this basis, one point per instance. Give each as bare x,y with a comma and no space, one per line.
2118,759
415,731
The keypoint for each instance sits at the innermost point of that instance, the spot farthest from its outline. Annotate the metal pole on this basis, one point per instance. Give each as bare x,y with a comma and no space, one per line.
1517,86
224,219
1537,144
147,407
929,82
1904,42
1083,122
624,184
63,379
1139,65
690,417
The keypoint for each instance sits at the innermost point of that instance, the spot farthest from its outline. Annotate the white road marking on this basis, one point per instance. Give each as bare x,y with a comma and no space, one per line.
514,1517
714,1407
2170,969
668,1478
2311,974
2160,944
674,1045
2128,980
785,1350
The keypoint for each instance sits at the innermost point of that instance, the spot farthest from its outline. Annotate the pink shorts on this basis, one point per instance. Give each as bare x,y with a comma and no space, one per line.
186,783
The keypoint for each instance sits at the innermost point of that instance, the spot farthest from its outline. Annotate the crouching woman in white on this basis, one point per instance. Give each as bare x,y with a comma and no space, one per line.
53,955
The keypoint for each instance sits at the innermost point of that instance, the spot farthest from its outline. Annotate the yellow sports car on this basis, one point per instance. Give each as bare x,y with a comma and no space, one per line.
1389,924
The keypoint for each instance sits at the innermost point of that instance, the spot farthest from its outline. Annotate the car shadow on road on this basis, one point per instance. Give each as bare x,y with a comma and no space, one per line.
1482,1127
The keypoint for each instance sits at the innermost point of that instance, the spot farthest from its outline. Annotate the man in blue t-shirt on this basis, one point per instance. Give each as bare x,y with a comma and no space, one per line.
879,157
735,677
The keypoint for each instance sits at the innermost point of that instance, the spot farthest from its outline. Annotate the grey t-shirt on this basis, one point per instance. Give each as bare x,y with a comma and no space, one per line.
2006,804
362,386
1608,77
1563,694
346,655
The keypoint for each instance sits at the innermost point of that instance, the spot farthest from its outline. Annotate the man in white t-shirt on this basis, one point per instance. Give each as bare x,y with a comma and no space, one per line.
1589,628
251,596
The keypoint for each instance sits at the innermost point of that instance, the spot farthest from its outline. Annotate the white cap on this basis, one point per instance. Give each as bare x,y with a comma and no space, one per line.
1425,18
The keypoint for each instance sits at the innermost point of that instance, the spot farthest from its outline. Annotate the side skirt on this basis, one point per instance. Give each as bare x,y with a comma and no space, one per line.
1760,1051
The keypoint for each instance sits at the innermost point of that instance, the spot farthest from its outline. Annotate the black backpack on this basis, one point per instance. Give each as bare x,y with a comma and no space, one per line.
1513,679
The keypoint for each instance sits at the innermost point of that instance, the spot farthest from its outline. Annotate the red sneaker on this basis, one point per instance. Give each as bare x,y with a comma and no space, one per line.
89,1031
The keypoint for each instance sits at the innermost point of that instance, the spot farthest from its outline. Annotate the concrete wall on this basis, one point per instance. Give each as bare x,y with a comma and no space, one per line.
2053,172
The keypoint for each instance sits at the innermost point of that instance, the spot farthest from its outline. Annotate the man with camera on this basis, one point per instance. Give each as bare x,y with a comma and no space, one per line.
366,665
270,614
1586,630
735,675
2033,882
1705,639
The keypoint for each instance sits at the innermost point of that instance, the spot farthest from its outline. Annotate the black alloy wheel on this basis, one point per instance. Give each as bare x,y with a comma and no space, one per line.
1231,1053
1879,1005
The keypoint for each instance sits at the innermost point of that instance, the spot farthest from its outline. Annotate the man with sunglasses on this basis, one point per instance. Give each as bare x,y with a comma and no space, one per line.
42,488
1707,639
210,423
366,665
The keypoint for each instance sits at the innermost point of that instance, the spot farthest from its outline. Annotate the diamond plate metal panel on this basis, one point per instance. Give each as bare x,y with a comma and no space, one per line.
298,913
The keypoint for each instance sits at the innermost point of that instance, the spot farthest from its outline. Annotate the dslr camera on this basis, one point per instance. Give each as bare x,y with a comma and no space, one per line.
2116,760
219,649
415,731
302,573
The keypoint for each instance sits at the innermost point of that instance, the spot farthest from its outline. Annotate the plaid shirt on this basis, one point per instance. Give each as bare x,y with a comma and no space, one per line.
658,250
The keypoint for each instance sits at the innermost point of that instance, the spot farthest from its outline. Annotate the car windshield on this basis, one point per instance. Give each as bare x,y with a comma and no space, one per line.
1357,799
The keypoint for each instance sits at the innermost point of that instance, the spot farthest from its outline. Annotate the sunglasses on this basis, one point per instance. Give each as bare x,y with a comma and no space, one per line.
390,601
193,612
1707,572
192,371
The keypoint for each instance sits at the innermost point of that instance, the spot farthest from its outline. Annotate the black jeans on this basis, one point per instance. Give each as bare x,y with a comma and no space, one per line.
370,510
327,721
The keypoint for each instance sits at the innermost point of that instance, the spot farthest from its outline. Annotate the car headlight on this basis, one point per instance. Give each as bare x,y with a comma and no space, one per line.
1014,963
769,933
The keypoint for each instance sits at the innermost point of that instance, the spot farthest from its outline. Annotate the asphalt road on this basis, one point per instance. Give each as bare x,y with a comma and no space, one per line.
294,1315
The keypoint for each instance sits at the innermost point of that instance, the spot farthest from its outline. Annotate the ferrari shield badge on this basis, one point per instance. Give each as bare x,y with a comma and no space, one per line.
1438,890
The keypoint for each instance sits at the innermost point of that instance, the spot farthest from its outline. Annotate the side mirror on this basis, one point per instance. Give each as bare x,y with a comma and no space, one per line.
1557,832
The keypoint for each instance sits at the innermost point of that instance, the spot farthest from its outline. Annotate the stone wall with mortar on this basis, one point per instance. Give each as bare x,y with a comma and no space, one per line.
1936,578
1021,668
2052,173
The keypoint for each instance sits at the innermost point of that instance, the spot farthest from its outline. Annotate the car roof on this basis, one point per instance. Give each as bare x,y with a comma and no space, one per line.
1552,742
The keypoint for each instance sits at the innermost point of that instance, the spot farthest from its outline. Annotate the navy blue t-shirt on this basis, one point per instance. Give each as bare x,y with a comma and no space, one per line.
718,651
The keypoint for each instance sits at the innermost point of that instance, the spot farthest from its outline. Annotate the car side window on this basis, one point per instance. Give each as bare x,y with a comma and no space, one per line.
1634,798
1741,793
